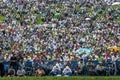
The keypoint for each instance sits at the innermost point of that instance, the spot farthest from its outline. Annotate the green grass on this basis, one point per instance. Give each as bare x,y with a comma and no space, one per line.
117,7
39,21
90,10
2,18
118,19
64,78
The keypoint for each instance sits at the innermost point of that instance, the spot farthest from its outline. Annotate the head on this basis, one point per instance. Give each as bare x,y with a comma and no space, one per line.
100,63
11,67
20,68
40,68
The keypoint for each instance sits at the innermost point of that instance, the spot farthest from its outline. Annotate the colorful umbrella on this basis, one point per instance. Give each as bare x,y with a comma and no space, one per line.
85,51
57,15
114,48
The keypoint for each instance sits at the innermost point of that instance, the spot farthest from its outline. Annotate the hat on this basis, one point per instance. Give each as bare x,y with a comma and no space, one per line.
6,54
28,57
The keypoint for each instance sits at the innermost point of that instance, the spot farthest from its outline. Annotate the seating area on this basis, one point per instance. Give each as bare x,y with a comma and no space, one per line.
59,37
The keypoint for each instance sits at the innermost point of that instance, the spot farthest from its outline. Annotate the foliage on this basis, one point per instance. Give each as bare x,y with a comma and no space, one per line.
39,21
2,18
90,10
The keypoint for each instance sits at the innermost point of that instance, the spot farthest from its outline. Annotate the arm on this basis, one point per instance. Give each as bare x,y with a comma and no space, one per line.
18,73
23,71
14,71
63,71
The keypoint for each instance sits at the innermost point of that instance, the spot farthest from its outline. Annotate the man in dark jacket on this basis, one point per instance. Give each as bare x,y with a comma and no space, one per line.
1,64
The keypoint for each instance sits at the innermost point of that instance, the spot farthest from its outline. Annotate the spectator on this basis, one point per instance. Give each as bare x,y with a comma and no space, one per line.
21,72
13,62
29,67
80,68
1,64
56,71
40,72
67,71
100,69
11,71
90,68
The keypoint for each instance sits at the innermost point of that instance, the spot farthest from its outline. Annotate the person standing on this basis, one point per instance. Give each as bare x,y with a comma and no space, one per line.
1,64
13,62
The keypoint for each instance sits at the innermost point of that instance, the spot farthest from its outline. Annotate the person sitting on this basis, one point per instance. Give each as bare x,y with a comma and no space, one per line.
100,69
11,71
80,68
29,67
90,68
21,72
67,71
56,71
40,72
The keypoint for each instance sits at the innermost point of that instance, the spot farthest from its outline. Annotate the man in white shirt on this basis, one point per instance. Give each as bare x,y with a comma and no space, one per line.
67,71
56,71
21,72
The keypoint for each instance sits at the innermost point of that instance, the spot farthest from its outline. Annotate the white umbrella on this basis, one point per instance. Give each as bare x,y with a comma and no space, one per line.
83,8
85,51
87,19
116,3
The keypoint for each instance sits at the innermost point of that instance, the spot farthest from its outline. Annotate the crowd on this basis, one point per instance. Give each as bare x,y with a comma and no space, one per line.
49,48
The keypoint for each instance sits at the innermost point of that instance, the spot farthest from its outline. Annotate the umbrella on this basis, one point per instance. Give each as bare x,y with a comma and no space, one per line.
85,51
57,15
83,8
87,19
116,3
114,48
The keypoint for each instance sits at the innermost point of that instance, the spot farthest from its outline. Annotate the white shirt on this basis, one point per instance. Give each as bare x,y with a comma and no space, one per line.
21,72
67,70
56,68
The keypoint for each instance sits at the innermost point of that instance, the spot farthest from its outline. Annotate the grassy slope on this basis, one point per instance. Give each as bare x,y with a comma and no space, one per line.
39,21
63,78
2,18
118,18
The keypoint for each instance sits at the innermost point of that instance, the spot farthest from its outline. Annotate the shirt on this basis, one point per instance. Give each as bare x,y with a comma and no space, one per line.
21,72
67,70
